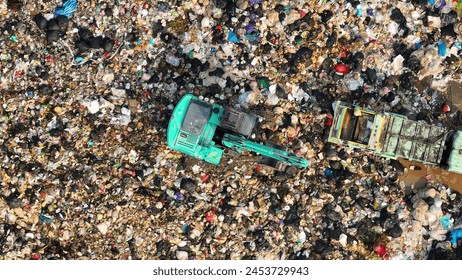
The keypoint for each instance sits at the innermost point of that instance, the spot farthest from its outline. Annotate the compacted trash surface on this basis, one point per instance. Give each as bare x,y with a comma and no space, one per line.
87,89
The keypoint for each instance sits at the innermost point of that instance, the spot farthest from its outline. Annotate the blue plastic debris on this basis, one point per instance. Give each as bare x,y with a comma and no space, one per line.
151,41
251,32
185,228
179,196
78,59
455,235
67,8
431,2
445,221
232,37
442,4
458,45
255,2
45,218
249,28
442,48
253,35
328,172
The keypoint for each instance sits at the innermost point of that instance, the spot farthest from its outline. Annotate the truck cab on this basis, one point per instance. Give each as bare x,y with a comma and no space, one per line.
452,156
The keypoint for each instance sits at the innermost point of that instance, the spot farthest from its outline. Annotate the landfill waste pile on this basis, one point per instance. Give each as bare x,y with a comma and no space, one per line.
87,89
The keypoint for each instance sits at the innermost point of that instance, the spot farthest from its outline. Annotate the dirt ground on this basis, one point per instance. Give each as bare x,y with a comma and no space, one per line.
419,178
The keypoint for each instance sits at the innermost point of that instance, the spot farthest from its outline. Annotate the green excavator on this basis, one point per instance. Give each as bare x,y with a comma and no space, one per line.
204,131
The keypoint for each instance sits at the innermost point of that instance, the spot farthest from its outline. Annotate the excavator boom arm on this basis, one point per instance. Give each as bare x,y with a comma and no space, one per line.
240,143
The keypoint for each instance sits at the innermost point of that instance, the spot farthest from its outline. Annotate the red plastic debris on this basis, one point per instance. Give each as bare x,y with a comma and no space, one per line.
344,52
204,178
258,168
342,68
210,216
42,195
35,256
302,13
329,121
446,108
380,250
129,172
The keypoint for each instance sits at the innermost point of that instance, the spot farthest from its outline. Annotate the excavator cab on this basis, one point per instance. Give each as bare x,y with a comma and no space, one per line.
197,116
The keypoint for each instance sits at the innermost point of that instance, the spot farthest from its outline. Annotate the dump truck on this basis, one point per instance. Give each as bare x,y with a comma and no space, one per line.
395,136
205,131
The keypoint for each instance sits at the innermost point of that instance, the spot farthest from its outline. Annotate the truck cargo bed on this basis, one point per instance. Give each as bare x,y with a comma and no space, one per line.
414,140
